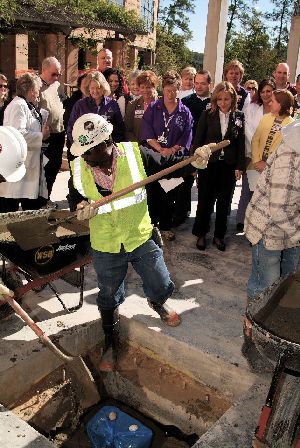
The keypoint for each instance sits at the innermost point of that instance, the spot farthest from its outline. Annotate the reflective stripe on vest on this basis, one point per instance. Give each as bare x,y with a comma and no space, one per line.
133,166
139,194
77,176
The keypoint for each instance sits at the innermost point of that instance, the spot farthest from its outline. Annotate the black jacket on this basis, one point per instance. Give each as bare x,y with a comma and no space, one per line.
209,131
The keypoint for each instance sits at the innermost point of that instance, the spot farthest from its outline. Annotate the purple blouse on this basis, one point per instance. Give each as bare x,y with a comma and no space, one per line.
168,129
108,108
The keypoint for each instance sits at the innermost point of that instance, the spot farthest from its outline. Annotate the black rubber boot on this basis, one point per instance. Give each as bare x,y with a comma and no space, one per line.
110,325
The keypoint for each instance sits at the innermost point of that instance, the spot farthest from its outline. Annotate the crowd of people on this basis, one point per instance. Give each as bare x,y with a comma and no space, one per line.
154,124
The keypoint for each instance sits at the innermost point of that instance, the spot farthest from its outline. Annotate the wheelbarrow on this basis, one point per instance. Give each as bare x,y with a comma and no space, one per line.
273,324
65,257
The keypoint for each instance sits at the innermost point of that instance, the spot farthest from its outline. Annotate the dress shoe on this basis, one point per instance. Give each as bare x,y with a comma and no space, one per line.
240,227
201,243
219,243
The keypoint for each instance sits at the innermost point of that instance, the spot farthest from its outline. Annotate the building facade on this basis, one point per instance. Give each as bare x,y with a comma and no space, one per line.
34,37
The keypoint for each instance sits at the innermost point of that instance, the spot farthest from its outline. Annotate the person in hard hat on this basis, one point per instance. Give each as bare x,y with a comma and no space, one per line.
120,231
13,152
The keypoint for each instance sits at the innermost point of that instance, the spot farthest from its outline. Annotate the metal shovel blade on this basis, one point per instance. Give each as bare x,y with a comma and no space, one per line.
33,233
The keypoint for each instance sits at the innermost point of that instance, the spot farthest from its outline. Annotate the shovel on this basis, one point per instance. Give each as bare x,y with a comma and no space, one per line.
39,232
87,390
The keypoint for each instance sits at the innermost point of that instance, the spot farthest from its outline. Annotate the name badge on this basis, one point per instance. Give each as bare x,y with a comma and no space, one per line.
139,113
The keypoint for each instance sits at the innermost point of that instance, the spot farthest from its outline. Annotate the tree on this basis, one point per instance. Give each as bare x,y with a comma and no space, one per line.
171,36
252,47
174,17
84,12
258,43
281,15
171,51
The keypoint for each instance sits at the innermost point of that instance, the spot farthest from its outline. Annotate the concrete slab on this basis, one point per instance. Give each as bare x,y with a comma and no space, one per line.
15,433
210,296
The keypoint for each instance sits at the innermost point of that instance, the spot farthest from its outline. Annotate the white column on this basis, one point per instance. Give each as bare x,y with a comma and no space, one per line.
293,54
216,29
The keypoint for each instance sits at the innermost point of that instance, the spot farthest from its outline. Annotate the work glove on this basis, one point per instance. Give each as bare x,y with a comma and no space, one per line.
85,211
204,152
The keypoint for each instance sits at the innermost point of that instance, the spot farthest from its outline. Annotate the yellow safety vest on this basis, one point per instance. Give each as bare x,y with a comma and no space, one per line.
123,221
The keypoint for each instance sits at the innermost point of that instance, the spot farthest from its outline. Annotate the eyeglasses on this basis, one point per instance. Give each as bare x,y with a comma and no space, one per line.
56,74
251,88
3,86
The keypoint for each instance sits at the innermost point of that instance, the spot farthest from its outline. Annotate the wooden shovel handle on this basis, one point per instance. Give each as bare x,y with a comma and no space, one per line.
8,298
155,176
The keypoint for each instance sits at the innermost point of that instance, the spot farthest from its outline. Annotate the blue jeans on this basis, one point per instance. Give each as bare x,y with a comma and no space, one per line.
269,265
147,260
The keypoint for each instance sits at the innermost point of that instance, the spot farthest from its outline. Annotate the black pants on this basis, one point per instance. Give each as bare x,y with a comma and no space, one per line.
163,207
12,205
54,152
182,204
215,183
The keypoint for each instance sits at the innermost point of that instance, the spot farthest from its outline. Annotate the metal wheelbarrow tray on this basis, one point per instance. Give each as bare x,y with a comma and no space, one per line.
273,324
66,249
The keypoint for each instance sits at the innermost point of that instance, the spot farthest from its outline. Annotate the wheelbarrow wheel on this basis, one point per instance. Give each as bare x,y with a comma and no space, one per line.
12,281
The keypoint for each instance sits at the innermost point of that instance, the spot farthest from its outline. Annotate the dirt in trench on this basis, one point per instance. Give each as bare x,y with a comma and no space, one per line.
51,406
143,370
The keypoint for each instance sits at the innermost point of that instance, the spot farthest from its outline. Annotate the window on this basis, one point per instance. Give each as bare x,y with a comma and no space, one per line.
147,13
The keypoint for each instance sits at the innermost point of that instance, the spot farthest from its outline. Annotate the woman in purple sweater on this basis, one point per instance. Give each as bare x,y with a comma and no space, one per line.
167,130
97,101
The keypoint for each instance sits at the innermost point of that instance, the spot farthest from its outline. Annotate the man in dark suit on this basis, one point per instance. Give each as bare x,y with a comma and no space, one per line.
197,102
200,100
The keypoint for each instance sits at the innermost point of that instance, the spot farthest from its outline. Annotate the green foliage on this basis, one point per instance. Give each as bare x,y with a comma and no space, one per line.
281,16
172,34
171,51
88,11
250,39
174,17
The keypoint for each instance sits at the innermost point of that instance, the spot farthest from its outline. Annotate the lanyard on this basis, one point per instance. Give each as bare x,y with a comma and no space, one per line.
167,122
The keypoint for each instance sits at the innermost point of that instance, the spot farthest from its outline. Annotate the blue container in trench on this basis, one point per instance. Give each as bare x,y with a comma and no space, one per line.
112,428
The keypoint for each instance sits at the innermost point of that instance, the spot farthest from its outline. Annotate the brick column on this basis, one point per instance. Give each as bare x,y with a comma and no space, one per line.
14,55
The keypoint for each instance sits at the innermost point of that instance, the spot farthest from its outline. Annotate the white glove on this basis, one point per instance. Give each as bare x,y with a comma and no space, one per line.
204,152
85,211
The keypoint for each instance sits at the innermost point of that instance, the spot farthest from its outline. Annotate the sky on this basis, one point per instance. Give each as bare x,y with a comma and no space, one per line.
198,22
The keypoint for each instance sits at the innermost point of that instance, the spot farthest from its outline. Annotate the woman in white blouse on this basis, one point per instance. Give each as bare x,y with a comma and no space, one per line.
259,106
21,113
116,84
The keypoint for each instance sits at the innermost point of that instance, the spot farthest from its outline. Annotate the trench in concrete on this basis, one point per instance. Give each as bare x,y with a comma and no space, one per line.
144,381
154,388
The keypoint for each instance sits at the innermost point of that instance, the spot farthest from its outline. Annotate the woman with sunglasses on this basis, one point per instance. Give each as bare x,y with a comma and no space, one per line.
251,86
259,106
3,96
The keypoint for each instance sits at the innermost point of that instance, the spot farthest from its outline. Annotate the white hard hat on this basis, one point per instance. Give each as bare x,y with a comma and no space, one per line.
89,130
13,152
